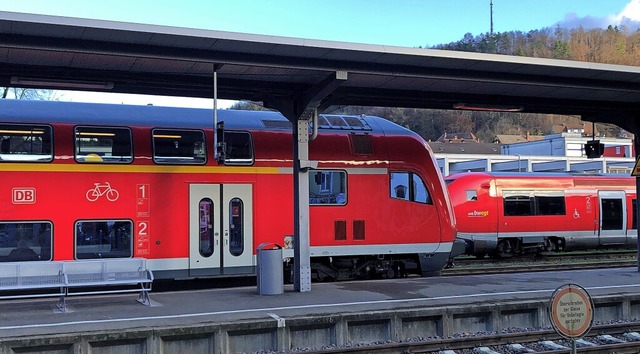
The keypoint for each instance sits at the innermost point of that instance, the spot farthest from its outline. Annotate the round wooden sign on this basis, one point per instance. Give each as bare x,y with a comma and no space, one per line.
571,311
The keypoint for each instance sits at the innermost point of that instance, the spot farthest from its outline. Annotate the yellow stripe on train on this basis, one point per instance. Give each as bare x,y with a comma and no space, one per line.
111,168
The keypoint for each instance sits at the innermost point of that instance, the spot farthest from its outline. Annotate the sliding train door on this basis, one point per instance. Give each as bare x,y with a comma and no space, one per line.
613,209
220,229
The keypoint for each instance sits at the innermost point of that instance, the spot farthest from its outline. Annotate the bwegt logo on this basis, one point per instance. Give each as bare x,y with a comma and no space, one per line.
478,214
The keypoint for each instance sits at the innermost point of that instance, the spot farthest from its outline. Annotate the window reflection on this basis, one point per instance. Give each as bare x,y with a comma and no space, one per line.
327,187
400,188
178,146
25,143
25,241
103,239
206,227
103,145
236,229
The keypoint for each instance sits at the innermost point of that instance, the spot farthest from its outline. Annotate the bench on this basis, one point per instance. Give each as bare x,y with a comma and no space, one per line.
83,277
46,278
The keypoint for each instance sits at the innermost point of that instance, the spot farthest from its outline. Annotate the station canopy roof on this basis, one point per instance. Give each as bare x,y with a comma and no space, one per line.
96,55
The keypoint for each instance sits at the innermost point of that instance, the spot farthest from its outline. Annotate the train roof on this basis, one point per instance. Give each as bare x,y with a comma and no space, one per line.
46,112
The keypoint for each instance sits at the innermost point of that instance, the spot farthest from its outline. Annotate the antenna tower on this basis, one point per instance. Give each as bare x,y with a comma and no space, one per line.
491,16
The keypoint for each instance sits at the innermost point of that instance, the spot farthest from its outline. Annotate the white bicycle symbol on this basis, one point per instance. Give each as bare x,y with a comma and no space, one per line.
100,190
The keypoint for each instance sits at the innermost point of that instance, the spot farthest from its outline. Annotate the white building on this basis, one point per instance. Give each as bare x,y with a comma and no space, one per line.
570,144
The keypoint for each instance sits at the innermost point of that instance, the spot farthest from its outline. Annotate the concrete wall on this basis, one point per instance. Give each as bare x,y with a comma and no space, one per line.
322,331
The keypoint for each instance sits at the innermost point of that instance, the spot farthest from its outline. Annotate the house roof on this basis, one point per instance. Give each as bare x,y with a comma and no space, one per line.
475,148
513,139
457,138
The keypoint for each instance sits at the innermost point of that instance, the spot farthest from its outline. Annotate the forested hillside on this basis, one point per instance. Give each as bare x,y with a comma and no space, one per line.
612,45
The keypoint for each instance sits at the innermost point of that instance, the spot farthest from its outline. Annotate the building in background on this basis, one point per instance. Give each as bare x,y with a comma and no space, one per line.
561,151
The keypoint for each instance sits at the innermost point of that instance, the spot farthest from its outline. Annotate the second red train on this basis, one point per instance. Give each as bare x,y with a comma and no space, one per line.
507,214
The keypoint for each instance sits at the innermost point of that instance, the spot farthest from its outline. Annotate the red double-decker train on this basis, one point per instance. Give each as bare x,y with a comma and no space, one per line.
85,181
507,214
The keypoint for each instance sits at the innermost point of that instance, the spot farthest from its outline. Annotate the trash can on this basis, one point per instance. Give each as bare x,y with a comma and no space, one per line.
270,277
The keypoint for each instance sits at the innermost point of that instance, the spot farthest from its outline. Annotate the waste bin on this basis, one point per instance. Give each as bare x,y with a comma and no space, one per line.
270,275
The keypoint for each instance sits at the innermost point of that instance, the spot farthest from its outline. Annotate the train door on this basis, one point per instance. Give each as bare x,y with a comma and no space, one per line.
220,229
613,226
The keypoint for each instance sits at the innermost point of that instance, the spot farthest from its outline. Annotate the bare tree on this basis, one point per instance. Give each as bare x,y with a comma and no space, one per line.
29,94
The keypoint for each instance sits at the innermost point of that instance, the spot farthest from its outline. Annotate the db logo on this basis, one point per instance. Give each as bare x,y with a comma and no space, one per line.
24,195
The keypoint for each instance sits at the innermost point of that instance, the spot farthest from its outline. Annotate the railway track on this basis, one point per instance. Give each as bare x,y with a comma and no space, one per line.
545,262
607,338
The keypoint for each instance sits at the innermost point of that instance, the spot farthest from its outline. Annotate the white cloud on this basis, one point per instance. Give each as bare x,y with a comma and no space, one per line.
628,17
631,12
121,98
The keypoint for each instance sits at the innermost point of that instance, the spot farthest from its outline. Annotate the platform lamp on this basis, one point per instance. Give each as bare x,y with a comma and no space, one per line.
62,84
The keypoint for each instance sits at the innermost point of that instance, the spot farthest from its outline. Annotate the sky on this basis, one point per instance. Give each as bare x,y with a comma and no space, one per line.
405,23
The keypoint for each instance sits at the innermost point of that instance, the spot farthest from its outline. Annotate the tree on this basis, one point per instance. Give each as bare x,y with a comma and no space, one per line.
28,94
248,106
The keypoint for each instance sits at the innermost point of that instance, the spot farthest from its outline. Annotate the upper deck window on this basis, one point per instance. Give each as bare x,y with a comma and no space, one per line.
103,145
178,146
239,148
25,142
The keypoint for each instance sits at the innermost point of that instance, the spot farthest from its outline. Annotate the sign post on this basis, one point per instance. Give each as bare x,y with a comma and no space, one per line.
571,312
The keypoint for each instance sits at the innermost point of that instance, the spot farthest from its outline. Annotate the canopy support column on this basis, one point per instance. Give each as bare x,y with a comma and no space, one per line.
299,110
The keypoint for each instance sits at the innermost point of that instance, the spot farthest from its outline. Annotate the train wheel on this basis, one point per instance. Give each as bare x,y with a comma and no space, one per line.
504,249
391,273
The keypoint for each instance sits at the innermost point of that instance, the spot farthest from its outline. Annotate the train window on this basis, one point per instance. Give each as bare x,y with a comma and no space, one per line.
336,121
518,204
400,188
206,227
550,205
239,148
354,122
25,241
23,142
178,146
472,195
611,214
330,121
327,187
103,239
103,145
236,229
634,218
419,192
322,122
400,185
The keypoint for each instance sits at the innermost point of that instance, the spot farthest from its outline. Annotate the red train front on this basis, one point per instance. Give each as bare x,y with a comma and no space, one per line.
84,181
505,214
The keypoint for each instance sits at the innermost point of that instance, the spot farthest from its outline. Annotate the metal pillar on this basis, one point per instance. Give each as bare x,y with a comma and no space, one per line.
299,110
301,244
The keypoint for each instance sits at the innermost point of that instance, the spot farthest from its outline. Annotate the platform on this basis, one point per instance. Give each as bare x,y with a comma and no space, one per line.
331,314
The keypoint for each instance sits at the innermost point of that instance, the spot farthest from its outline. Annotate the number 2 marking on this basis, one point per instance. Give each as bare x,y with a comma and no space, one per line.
142,228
